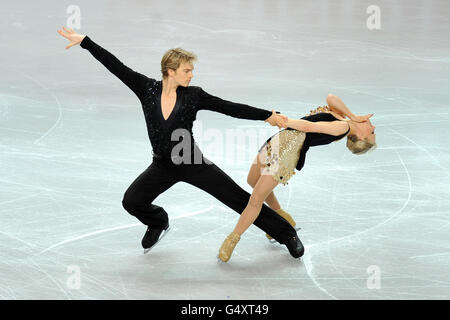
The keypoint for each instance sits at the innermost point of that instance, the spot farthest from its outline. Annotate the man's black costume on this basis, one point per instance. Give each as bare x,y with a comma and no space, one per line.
166,169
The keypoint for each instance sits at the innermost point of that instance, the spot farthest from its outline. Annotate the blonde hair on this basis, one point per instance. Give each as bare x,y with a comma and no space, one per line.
173,58
359,146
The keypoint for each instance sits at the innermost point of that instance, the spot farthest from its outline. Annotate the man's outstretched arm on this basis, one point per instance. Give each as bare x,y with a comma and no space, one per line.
134,80
239,110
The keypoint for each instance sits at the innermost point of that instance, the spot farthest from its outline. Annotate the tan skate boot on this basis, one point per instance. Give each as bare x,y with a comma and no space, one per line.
286,216
228,245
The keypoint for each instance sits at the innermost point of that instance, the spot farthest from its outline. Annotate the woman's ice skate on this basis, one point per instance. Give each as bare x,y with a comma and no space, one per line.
228,245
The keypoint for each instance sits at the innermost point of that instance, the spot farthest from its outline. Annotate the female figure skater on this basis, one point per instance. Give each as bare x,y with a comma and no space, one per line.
286,150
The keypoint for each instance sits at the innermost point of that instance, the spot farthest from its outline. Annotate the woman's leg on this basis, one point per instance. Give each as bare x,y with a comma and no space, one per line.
253,177
263,188
217,183
271,200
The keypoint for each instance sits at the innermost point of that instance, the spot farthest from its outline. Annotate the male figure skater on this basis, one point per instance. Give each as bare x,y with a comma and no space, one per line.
170,107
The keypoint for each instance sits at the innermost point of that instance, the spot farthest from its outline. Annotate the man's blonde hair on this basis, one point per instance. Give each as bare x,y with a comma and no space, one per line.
173,58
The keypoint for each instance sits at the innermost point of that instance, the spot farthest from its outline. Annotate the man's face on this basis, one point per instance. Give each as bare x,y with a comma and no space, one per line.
183,74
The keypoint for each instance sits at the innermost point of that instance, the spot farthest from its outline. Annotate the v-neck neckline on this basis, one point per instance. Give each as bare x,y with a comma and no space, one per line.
175,107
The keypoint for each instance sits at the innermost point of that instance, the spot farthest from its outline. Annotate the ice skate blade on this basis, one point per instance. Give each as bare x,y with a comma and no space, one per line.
163,234
220,261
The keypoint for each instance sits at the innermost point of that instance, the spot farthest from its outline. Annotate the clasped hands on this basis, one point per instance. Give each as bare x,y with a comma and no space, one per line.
277,119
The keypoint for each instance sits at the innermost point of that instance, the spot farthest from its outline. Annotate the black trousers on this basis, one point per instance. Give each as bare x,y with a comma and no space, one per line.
161,175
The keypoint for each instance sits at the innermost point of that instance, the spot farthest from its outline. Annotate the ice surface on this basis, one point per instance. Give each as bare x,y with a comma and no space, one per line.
73,138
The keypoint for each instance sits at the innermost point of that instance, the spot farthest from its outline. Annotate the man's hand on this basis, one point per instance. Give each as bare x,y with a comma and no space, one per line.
278,120
72,36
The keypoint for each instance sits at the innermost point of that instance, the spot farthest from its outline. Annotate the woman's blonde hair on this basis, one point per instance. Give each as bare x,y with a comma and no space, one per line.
173,58
359,146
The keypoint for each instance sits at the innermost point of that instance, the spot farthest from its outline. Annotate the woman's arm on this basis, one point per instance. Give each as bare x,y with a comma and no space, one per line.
338,106
134,80
334,128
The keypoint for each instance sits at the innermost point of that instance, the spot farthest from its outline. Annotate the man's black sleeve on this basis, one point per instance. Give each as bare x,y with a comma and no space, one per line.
134,80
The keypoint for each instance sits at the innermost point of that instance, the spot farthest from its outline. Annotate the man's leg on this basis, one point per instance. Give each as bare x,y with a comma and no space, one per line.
138,198
213,180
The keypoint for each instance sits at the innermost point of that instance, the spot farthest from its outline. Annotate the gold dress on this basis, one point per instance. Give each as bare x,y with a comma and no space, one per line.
280,155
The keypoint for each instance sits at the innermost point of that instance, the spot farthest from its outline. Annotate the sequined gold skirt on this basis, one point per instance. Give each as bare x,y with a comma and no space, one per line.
280,155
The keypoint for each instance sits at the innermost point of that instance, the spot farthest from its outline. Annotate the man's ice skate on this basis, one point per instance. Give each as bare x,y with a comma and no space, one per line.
152,236
289,219
272,240
295,246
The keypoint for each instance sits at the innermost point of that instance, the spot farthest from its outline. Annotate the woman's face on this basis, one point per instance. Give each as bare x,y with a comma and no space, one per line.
367,131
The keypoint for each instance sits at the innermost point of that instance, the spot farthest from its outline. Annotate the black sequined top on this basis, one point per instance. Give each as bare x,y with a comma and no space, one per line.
189,101
313,138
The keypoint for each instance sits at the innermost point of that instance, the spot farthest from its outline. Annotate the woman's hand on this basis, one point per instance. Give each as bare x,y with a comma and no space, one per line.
72,36
361,118
278,120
